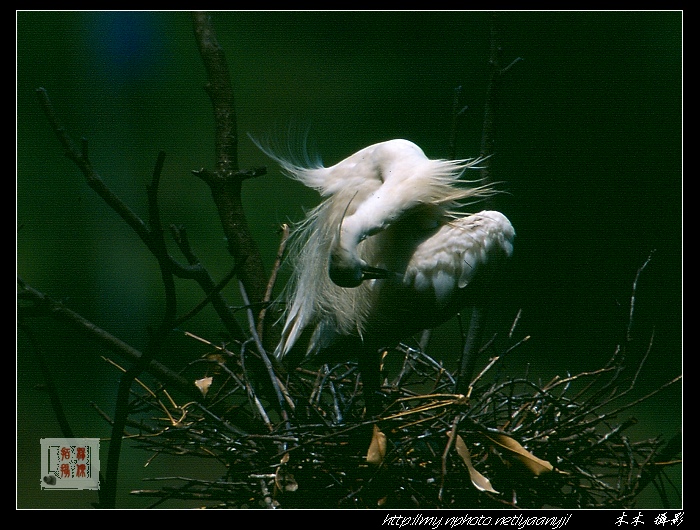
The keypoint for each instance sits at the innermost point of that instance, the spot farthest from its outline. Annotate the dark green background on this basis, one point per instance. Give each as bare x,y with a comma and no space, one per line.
588,147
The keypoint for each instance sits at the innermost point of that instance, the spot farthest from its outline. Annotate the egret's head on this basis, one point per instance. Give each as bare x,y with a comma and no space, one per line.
346,269
343,272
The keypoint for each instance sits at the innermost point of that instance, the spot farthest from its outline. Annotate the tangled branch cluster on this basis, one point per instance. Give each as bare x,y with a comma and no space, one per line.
510,443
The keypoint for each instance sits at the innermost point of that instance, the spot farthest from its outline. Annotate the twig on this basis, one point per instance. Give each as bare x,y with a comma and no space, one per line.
79,157
476,322
471,349
488,140
43,304
156,341
450,442
225,183
212,290
49,384
213,293
634,294
515,323
266,361
271,285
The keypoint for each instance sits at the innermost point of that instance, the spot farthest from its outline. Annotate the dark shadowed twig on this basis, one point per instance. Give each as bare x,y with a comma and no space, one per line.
152,239
273,278
49,385
156,341
477,318
634,293
39,304
266,360
226,180
488,137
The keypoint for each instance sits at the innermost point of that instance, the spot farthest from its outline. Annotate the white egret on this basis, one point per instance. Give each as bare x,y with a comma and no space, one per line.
385,255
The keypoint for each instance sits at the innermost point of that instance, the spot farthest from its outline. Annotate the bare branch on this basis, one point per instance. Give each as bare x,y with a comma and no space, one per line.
79,157
266,360
477,319
273,278
634,294
44,305
225,183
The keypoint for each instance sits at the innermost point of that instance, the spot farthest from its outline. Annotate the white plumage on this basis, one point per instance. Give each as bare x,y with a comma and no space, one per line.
386,253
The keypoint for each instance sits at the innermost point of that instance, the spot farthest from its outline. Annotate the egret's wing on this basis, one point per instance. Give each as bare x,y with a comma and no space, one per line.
451,258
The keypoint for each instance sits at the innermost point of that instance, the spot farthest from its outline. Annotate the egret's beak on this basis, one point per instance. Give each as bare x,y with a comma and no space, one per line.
374,273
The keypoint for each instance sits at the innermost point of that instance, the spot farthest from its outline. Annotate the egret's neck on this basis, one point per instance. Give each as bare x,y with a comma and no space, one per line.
344,264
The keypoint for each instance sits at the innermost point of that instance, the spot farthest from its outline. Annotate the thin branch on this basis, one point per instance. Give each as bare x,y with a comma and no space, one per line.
515,323
79,157
41,304
476,323
266,360
225,183
471,349
634,294
210,296
448,446
212,290
488,137
49,384
108,494
159,247
271,283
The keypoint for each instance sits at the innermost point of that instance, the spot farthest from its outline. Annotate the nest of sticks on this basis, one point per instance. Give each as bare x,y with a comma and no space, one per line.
511,442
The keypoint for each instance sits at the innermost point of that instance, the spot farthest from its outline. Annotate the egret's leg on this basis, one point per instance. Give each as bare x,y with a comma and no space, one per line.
369,363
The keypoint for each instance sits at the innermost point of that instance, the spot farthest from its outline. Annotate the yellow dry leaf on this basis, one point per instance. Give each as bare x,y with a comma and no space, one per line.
480,481
285,481
377,447
536,465
204,384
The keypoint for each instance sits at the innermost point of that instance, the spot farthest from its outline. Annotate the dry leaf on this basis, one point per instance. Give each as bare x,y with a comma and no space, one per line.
480,481
377,448
534,464
285,481
204,384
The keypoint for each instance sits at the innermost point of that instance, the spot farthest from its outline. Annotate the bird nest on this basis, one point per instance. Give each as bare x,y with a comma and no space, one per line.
510,442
